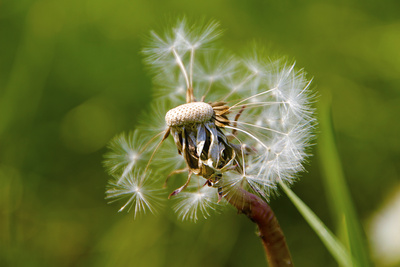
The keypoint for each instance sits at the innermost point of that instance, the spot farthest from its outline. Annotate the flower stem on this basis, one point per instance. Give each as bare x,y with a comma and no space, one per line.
270,232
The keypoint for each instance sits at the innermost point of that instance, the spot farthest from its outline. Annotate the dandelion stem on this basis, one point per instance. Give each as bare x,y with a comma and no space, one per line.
270,232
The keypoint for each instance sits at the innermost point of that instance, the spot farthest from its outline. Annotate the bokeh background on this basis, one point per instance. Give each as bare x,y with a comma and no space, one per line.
71,77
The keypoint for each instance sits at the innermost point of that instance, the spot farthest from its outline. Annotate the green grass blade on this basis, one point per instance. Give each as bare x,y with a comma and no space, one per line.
334,246
337,191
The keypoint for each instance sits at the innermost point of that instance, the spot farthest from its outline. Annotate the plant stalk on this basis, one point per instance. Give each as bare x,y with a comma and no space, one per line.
270,232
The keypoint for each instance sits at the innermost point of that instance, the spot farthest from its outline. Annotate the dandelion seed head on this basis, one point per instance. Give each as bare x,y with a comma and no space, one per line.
235,123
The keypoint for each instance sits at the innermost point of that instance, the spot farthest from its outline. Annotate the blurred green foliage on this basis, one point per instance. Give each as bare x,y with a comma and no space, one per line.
71,77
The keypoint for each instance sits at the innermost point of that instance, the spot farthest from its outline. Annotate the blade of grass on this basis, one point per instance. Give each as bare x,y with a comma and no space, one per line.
337,191
334,246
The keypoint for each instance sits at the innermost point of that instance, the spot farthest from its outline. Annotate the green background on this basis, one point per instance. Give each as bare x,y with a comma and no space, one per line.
71,77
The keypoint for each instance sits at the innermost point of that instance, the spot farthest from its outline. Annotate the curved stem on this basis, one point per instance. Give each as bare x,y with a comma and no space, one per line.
270,232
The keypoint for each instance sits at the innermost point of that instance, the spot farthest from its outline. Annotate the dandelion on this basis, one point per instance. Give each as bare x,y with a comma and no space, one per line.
235,125
235,122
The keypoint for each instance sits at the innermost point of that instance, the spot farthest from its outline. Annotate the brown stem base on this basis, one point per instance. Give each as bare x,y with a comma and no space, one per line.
270,232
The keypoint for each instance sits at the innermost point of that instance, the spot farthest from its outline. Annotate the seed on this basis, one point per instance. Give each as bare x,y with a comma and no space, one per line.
195,112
